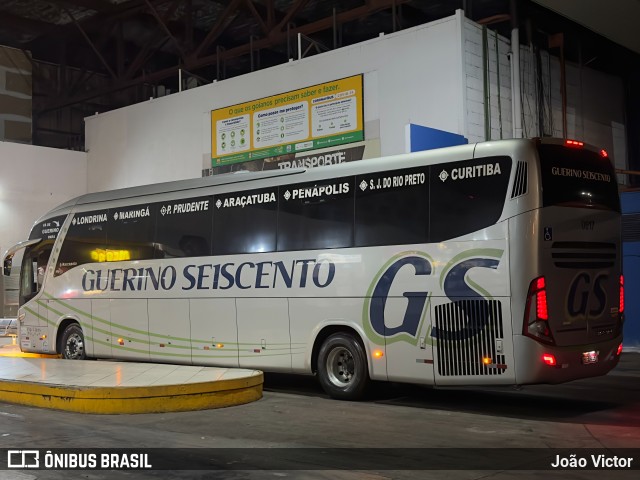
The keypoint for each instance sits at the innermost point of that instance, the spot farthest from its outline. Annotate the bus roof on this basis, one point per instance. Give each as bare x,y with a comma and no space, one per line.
370,165
173,186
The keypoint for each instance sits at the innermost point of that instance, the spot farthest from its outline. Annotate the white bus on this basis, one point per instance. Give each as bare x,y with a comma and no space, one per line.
494,263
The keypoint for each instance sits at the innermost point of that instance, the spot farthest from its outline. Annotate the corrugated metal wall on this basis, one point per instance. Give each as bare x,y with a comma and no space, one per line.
15,95
631,267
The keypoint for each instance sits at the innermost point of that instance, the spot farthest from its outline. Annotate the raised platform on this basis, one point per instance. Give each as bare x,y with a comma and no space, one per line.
110,387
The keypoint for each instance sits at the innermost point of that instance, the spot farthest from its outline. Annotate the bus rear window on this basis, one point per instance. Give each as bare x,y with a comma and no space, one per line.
575,177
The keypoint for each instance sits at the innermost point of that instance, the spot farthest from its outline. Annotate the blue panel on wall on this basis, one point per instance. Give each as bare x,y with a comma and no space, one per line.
425,138
630,202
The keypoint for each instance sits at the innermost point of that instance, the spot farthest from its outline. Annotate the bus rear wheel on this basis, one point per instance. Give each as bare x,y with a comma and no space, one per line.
73,343
342,367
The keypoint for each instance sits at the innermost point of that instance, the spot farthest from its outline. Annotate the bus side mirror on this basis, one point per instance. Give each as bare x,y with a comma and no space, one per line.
8,262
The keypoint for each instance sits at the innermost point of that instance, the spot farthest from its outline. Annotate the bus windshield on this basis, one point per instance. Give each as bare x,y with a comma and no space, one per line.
576,177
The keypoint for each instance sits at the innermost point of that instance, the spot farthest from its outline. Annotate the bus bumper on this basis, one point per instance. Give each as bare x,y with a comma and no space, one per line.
571,363
35,339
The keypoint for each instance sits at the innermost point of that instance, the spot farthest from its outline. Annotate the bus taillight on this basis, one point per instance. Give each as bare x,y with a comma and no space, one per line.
536,319
621,310
542,310
573,143
619,350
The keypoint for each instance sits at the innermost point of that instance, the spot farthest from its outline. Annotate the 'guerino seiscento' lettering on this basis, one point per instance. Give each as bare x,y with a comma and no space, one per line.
213,276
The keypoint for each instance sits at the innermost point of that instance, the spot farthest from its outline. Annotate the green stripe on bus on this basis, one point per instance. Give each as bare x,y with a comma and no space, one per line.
117,325
273,345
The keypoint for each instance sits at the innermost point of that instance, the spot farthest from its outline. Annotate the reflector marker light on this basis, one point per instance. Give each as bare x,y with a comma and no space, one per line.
574,143
604,154
549,359
619,350
486,360
378,354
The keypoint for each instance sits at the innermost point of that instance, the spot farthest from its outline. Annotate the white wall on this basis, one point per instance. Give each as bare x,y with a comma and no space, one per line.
414,75
430,75
33,181
595,101
499,81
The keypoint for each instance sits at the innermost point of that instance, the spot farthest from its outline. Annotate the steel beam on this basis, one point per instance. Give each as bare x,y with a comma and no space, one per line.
93,47
275,37
160,21
252,9
224,20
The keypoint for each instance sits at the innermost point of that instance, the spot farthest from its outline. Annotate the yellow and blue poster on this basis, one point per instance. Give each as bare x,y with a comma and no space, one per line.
311,118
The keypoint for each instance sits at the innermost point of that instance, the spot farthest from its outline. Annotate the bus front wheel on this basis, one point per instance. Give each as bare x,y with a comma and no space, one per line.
342,367
73,343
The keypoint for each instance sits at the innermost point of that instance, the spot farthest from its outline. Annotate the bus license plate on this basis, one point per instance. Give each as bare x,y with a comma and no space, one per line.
589,357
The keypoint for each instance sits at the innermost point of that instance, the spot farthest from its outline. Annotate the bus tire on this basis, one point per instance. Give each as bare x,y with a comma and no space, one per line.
73,346
342,367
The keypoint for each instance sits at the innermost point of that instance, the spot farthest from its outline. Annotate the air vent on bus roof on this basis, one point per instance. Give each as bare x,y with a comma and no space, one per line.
520,182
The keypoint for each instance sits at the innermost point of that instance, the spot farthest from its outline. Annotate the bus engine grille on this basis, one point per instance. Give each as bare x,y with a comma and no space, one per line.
469,337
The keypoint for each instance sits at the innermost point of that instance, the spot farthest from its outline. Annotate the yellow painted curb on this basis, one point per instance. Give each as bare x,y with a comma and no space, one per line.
151,399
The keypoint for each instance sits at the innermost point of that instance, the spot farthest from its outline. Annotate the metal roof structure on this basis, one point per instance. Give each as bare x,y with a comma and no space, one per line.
92,56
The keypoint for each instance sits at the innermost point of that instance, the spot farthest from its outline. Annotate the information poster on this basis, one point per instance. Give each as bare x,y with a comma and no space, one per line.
320,116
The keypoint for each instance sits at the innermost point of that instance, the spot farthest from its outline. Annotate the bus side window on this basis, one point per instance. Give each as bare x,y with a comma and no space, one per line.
392,208
316,215
245,222
84,241
471,196
130,233
183,228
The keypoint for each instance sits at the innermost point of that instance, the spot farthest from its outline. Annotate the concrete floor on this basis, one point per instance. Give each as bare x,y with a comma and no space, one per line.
294,413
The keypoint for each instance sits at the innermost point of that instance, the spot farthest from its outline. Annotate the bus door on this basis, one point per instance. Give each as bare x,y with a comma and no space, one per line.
129,328
214,333
32,314
32,274
169,330
263,333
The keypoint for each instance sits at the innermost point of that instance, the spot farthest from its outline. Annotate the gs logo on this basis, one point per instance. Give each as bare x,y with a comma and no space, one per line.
587,296
453,283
